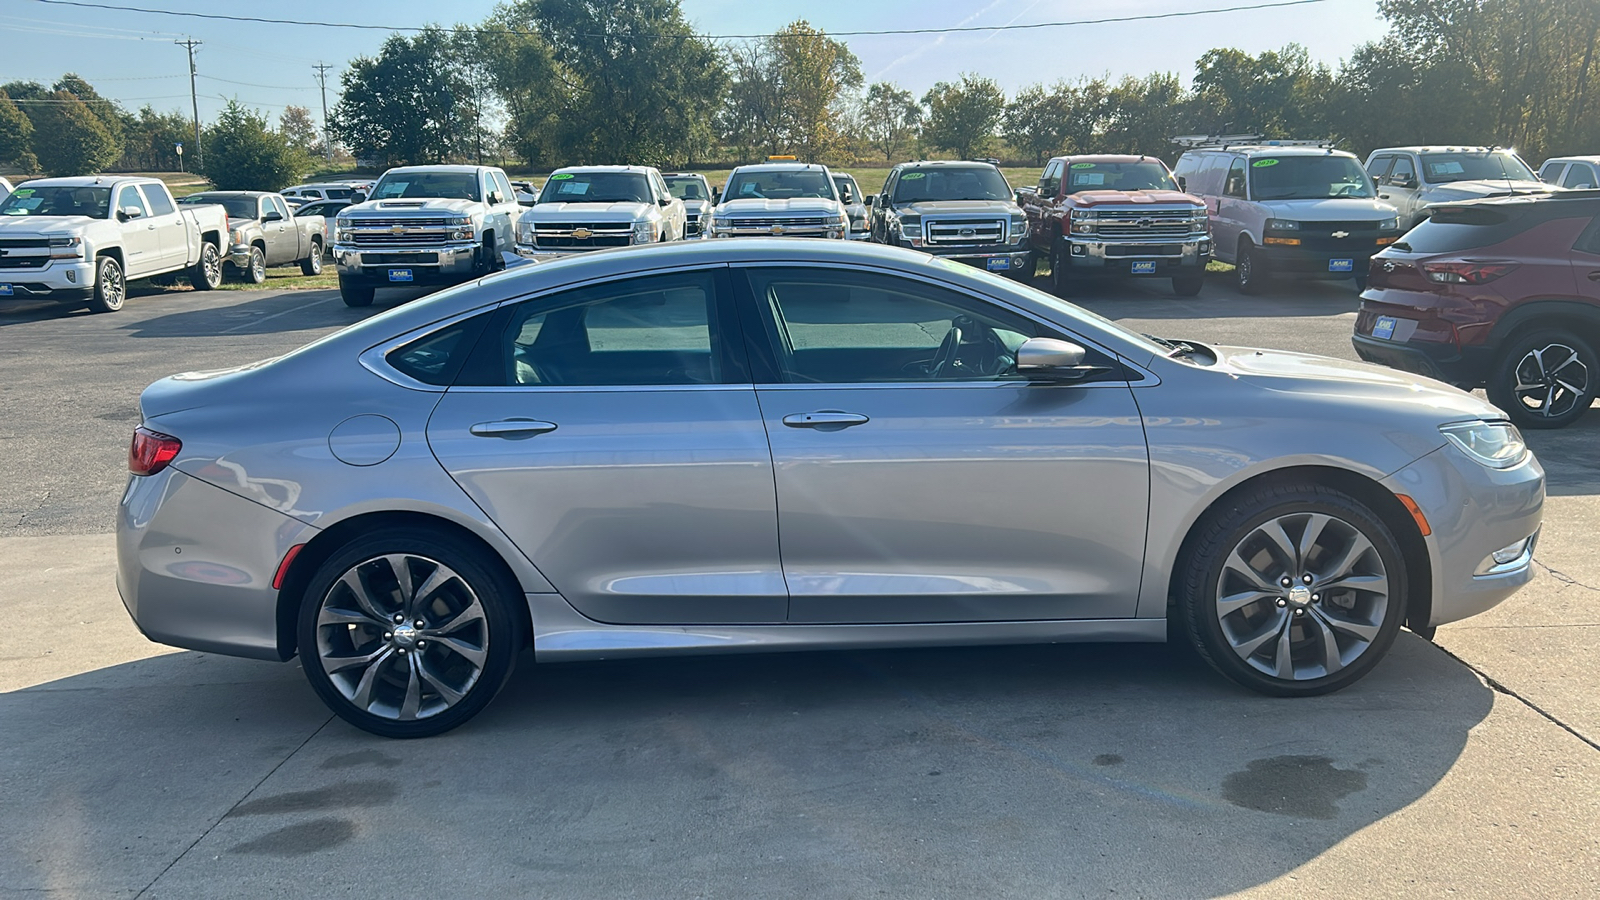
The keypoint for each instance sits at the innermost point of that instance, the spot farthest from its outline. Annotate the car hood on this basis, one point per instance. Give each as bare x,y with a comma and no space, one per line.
597,212
941,207
1279,370
1467,190
385,209
1332,209
1092,199
27,225
756,206
696,206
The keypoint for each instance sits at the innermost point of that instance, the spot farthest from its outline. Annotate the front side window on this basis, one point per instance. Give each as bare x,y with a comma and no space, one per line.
1492,165
1404,172
1580,176
426,186
1051,179
951,183
596,187
129,198
1378,169
1137,176
1234,186
1307,178
850,327
781,184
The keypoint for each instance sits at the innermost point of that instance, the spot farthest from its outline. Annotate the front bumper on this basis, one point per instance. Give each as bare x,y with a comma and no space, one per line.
450,263
195,564
1316,263
1473,511
993,257
239,255
1098,256
55,280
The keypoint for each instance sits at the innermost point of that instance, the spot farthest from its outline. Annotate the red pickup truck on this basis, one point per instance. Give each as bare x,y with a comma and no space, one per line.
1104,215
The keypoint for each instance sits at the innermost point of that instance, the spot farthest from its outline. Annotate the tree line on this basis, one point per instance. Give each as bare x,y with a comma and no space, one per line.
558,82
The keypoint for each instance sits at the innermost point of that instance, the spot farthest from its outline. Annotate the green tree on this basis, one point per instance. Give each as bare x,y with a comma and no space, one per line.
1035,121
16,135
243,154
149,140
890,117
962,116
1278,94
68,139
109,114
300,130
788,93
1142,115
409,104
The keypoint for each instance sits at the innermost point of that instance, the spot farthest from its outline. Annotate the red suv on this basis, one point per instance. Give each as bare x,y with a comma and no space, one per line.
1501,293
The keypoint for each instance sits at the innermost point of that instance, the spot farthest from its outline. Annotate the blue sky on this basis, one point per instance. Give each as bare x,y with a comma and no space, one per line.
130,57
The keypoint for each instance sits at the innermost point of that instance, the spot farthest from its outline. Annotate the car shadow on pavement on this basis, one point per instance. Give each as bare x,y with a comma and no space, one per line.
269,314
1027,771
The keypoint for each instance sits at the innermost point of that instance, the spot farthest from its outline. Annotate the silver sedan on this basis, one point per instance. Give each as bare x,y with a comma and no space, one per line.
731,446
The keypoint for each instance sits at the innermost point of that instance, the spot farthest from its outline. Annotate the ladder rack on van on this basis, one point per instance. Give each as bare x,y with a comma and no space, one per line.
1231,141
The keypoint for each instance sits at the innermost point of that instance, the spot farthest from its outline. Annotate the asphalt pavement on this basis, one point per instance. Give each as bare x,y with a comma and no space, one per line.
1469,767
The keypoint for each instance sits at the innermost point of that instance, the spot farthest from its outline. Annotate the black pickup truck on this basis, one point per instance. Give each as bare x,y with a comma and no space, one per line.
960,210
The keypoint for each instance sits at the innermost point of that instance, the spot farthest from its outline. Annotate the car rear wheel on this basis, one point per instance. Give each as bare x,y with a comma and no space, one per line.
110,288
406,633
1292,590
1545,379
255,271
312,265
207,273
1247,270
355,294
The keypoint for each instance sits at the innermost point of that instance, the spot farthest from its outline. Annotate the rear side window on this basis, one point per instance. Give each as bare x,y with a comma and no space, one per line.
1466,227
1579,176
157,198
435,358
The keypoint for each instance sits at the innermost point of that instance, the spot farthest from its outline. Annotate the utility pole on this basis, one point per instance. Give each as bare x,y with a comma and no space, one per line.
327,138
194,100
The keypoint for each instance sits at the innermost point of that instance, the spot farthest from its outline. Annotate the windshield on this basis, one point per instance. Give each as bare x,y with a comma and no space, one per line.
949,183
237,207
1498,165
596,187
1134,176
687,188
785,184
1307,178
94,202
426,186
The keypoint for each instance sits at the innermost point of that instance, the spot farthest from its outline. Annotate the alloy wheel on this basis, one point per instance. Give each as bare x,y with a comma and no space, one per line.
112,288
1551,381
1302,596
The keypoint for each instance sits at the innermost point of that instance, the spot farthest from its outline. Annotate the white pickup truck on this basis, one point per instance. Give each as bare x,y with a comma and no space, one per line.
84,238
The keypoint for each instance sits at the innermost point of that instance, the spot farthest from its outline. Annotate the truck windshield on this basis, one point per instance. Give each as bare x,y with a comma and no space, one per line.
237,207
94,202
1496,165
427,186
687,188
951,183
784,184
596,187
1307,178
1130,176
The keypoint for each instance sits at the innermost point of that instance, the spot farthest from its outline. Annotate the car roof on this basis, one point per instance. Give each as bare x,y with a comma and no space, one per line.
229,194
683,175
1441,148
942,163
640,170
462,169
781,167
1570,159
1252,150
1107,157
90,180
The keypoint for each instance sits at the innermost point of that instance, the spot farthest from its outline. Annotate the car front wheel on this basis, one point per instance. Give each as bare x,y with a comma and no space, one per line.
1293,590
1545,379
110,289
355,295
405,633
255,271
1247,270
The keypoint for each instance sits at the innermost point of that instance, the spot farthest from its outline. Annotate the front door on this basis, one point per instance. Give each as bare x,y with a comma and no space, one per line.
283,243
919,478
612,433
141,236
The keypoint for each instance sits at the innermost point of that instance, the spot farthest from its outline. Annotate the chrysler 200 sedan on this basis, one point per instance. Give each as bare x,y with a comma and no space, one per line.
776,444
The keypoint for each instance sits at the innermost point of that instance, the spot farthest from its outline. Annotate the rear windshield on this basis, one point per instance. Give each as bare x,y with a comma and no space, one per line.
1307,178
596,187
237,207
1136,176
1465,227
947,183
782,184
94,202
427,186
687,188
1443,168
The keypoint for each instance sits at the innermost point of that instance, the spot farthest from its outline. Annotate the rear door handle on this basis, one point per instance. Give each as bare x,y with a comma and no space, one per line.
512,428
824,420
1594,276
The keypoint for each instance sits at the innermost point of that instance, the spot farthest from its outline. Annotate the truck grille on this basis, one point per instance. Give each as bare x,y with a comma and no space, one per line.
402,259
400,232
964,231
582,236
792,226
1124,250
1146,223
23,243
23,262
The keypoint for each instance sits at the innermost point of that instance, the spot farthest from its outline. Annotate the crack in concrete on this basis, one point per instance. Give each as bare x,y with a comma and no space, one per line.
1563,577
1498,687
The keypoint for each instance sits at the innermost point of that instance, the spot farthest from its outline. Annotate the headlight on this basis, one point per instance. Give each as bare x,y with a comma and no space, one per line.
66,248
1389,225
1019,229
841,220
1498,445
644,232
459,220
525,232
1282,225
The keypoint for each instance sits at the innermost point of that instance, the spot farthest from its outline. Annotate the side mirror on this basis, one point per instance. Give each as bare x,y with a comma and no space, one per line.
716,196
1050,359
665,201
872,202
1183,183
271,215
357,197
129,212
1404,181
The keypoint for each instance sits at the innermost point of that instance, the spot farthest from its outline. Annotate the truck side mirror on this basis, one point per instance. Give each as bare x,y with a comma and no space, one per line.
357,197
872,202
271,215
1183,183
129,212
664,201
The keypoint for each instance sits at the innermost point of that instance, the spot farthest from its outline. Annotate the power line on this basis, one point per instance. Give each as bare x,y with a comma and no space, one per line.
270,87
364,26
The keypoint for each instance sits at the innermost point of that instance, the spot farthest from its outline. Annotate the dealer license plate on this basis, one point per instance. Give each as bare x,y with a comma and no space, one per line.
1341,265
1145,267
400,275
997,263
1384,330
5,290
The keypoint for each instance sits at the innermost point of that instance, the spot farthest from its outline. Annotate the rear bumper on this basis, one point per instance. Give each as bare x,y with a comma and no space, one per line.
1439,361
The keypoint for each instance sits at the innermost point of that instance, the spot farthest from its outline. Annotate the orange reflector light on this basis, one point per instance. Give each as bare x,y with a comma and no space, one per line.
1287,242
1386,241
1416,513
288,560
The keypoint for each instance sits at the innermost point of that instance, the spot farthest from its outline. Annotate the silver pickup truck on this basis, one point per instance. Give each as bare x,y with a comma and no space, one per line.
263,231
420,225
82,239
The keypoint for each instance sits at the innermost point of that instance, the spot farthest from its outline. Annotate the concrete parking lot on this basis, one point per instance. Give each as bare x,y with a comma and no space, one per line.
1465,767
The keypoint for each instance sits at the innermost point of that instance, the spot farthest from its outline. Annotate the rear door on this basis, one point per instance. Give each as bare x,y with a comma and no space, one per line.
613,434
1586,262
919,479
171,235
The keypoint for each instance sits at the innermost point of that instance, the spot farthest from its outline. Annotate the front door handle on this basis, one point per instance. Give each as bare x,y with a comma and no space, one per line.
512,428
1594,276
825,419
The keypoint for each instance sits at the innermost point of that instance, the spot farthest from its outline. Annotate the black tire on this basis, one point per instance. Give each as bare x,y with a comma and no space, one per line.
355,295
1061,281
206,275
1188,284
255,271
487,257
1360,279
1233,526
110,287
474,660
312,265
1247,272
1556,362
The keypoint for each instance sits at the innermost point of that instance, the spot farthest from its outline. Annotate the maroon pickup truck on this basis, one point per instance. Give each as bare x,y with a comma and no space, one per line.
1103,215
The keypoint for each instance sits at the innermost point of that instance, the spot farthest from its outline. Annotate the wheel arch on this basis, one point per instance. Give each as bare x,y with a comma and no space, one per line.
1380,500
1580,317
213,238
115,252
328,541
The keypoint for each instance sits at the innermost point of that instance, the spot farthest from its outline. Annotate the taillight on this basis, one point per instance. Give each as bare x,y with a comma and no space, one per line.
151,451
1466,272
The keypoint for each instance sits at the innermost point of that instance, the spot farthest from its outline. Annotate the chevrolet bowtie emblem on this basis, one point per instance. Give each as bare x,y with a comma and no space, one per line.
397,229
1341,234
582,234
777,229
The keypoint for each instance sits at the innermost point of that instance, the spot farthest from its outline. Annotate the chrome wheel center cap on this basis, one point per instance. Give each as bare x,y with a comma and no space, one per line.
405,635
1299,595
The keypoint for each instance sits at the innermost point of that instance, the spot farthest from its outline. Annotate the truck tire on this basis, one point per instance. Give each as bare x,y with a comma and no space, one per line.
207,273
355,295
312,265
1189,283
1247,271
110,288
1061,283
255,271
